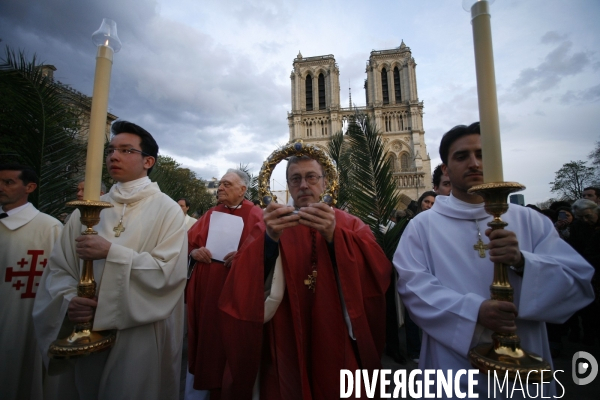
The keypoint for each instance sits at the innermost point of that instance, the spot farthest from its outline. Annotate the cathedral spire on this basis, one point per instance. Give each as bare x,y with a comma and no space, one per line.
350,90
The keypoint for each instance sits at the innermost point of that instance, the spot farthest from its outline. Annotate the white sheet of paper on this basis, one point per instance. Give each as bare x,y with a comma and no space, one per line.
224,233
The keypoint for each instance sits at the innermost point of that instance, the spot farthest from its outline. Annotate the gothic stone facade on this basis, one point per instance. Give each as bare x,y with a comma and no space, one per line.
392,102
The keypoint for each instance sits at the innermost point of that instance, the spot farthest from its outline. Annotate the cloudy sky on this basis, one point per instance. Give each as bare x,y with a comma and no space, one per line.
210,79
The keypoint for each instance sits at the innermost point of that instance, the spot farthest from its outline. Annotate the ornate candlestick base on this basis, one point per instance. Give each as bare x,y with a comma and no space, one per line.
505,354
83,341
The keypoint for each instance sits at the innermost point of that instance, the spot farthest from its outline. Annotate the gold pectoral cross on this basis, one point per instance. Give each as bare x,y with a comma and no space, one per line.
480,247
118,229
311,281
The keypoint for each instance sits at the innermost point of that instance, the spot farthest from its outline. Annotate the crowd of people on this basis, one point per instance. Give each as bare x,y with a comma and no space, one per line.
274,303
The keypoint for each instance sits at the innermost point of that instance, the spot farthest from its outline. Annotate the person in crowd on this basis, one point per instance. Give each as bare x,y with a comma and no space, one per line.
325,279
563,221
591,193
444,278
206,352
139,257
441,182
26,237
426,201
81,189
585,239
185,207
413,337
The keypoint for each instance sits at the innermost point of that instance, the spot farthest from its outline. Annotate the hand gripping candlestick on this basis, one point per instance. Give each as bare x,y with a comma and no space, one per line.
83,340
505,353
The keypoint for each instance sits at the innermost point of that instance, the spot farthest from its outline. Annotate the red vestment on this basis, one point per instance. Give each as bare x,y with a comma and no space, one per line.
303,348
206,355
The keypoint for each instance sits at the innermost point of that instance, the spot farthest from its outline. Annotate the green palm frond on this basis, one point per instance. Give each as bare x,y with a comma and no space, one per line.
252,191
39,127
339,152
371,192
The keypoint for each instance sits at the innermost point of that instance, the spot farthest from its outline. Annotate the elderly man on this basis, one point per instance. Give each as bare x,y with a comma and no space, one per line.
444,279
318,324
26,238
206,354
139,264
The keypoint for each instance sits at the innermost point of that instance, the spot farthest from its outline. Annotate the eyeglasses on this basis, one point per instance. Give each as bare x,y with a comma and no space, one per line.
311,179
111,150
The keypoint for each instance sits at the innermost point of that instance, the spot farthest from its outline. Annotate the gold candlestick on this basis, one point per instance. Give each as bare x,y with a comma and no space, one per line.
505,353
83,340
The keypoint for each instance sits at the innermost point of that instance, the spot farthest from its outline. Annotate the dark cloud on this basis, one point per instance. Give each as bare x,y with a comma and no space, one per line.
261,13
553,37
558,64
590,95
174,80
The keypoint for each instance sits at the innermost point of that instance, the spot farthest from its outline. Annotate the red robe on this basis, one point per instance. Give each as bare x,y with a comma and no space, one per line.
206,354
302,349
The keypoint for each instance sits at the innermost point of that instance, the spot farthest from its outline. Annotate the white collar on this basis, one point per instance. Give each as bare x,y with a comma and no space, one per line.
17,209
452,207
130,188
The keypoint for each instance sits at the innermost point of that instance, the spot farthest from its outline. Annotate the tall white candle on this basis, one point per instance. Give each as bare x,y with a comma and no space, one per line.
95,148
486,92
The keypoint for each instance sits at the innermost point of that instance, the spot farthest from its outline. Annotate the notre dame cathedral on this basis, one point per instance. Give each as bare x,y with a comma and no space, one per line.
392,102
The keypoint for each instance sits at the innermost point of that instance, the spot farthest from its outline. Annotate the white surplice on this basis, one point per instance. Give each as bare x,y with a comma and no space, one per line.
140,293
189,222
26,241
443,281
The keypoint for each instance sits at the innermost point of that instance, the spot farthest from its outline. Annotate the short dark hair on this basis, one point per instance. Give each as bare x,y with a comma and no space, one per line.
454,134
595,189
148,144
558,204
437,176
187,202
295,160
27,175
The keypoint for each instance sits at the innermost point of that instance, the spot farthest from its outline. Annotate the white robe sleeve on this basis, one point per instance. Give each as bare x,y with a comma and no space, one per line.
141,288
446,315
58,286
556,279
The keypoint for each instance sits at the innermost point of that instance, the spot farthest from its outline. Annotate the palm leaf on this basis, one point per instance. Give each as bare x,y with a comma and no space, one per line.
252,191
339,152
372,194
39,127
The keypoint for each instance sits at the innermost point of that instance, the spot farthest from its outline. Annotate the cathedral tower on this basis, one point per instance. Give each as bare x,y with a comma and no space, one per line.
392,103
315,99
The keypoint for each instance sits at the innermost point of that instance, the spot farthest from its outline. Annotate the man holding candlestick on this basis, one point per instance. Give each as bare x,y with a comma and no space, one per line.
140,267
443,263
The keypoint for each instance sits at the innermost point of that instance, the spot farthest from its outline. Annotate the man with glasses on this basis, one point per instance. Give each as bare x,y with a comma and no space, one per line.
325,278
206,353
139,266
